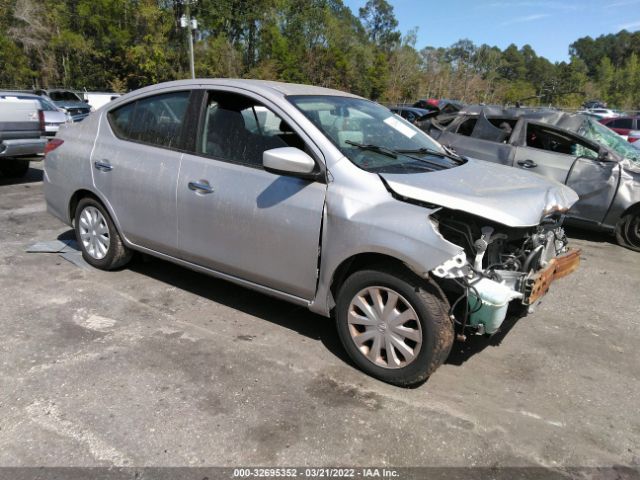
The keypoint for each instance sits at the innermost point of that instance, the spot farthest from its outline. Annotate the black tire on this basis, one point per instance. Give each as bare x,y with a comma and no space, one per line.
628,231
431,307
13,168
117,254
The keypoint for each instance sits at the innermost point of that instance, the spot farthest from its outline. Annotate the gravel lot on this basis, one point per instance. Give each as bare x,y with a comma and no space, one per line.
158,365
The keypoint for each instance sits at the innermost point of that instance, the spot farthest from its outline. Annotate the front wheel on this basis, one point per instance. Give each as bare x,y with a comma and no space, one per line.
394,325
628,231
98,237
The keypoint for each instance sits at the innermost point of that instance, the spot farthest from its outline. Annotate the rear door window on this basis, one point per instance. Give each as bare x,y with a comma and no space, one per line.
155,120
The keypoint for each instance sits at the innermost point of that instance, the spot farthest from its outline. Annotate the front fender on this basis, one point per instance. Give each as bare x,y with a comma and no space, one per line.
381,225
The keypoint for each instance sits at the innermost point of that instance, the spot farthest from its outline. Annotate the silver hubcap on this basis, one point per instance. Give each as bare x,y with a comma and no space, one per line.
385,327
94,232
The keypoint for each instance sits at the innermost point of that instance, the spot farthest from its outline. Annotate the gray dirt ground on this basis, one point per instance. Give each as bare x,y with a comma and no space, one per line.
157,365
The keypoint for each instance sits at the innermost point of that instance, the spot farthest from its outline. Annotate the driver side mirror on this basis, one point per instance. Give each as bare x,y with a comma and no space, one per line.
289,161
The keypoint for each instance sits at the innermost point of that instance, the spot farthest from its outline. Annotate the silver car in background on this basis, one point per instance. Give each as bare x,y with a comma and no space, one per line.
53,116
317,197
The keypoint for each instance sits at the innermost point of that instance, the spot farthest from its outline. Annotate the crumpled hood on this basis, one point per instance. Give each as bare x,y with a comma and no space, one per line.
506,195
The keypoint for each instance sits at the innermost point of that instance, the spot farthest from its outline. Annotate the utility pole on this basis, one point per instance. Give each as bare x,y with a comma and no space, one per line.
190,24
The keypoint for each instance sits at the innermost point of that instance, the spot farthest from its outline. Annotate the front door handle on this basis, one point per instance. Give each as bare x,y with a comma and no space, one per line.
103,166
200,186
527,163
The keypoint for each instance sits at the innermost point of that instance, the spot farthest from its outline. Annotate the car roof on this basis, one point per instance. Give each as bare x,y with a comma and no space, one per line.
57,90
258,86
568,121
21,94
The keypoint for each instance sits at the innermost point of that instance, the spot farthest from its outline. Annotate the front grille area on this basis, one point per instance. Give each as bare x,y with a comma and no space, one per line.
78,111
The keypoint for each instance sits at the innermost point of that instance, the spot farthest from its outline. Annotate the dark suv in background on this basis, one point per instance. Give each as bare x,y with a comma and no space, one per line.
70,102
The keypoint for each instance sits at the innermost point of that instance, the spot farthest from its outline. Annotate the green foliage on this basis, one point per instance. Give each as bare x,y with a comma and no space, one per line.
127,44
612,66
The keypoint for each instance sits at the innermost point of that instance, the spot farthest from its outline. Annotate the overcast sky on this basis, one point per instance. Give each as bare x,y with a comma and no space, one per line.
548,26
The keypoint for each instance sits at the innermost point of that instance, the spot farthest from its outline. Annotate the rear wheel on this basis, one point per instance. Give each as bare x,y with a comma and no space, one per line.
98,237
394,325
13,168
628,230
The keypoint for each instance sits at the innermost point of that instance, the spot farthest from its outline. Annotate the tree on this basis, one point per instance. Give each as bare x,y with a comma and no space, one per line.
15,71
380,23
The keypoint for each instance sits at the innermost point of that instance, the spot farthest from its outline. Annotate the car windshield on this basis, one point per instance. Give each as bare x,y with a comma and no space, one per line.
593,130
47,105
372,137
64,97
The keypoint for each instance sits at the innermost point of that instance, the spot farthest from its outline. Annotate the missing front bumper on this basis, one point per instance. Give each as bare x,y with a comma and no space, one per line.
538,285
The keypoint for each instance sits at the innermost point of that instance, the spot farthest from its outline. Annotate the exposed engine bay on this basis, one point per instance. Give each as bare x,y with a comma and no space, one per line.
500,266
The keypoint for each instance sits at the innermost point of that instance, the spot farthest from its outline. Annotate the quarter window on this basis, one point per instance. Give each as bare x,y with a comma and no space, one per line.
155,120
239,129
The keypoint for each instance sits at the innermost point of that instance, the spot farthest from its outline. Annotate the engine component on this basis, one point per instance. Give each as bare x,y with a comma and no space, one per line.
493,300
481,246
503,264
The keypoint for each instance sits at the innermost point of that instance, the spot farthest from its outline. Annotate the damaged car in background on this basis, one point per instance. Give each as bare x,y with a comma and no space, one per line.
317,197
577,150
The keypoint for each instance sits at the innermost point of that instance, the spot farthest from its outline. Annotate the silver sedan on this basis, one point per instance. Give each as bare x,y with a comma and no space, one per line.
317,197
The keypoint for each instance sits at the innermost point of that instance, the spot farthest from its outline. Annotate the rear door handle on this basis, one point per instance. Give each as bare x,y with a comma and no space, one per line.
527,163
200,186
103,166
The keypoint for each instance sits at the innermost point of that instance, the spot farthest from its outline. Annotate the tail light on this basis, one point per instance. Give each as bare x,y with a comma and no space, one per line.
52,145
633,136
41,120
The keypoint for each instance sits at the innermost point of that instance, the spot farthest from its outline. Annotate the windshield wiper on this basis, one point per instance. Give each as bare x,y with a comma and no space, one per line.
374,148
407,153
424,150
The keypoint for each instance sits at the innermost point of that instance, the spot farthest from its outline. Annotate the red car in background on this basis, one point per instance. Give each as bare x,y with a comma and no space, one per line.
624,126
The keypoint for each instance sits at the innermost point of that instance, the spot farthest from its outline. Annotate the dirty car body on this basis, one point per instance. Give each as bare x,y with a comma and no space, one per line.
572,149
317,197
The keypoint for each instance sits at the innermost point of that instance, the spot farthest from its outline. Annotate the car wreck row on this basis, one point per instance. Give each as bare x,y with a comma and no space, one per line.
318,197
573,149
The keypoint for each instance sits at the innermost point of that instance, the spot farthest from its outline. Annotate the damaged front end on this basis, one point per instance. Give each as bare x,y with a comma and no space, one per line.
500,267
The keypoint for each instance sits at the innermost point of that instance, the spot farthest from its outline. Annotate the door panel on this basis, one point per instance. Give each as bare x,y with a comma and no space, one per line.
139,181
501,153
596,184
549,164
255,225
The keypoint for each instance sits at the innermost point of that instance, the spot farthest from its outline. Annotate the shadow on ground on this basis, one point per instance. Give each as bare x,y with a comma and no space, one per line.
33,175
279,312
474,344
293,317
589,235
